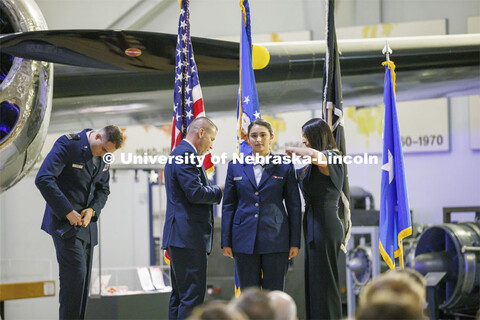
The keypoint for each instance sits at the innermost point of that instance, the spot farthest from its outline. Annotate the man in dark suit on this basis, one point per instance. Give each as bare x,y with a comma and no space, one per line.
188,230
74,180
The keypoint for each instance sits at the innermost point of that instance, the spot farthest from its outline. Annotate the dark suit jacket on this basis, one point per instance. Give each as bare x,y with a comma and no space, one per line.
189,216
254,218
67,181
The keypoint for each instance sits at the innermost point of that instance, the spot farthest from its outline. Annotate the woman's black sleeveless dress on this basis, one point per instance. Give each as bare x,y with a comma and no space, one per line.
324,234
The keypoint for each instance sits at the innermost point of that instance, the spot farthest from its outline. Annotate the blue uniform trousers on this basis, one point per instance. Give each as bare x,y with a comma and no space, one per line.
188,273
250,267
74,258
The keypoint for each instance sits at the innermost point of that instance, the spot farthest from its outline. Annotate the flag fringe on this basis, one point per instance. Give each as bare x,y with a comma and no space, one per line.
392,67
244,13
210,170
402,235
385,256
397,253
348,224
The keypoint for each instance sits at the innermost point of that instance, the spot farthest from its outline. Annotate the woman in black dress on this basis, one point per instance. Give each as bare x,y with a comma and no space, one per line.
321,183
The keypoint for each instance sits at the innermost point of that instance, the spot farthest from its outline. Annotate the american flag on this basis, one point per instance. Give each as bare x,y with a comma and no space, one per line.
187,97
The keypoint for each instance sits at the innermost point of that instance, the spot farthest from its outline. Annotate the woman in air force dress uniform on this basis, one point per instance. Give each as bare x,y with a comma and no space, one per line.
261,214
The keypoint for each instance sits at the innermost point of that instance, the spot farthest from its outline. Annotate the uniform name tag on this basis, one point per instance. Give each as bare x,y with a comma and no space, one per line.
277,177
78,166
237,178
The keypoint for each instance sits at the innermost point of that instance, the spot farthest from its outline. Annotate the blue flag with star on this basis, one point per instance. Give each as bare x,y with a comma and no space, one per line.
395,220
248,109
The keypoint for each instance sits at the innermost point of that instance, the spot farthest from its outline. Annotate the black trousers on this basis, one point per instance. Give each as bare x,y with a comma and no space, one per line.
267,271
322,287
74,258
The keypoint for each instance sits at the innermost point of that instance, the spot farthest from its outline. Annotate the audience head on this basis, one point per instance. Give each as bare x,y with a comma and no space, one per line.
216,310
284,305
316,134
414,276
396,294
389,305
255,304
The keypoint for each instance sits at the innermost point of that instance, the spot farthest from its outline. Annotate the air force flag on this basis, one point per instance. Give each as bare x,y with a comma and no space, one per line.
248,108
395,221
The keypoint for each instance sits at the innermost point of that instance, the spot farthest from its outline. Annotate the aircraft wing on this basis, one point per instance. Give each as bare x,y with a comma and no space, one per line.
128,76
427,67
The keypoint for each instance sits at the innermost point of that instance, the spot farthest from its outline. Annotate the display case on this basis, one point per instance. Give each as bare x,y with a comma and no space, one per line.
129,293
131,280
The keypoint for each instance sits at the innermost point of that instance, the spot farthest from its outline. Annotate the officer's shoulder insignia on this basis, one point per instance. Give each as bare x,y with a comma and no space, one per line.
73,136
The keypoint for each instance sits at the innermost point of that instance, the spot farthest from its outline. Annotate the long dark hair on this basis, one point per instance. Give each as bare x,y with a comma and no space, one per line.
319,135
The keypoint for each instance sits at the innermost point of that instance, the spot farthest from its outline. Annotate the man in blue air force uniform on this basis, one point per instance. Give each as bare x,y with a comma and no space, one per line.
188,230
74,180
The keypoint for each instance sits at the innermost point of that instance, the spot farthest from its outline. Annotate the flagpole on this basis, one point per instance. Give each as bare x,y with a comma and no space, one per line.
330,53
387,51
329,114
332,112
248,108
239,95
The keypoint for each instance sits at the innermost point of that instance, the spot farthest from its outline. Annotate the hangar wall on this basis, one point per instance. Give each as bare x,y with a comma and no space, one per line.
434,180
